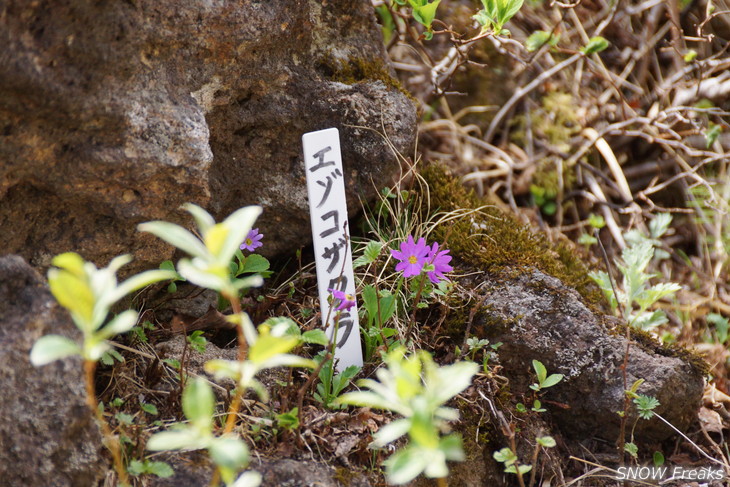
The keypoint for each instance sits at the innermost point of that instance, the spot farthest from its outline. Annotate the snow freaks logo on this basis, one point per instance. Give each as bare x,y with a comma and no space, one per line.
669,473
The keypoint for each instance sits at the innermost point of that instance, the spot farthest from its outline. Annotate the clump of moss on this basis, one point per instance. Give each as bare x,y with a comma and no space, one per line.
357,69
648,342
496,242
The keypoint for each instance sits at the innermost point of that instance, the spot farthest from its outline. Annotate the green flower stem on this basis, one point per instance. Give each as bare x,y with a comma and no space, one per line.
235,405
315,373
242,353
412,323
110,441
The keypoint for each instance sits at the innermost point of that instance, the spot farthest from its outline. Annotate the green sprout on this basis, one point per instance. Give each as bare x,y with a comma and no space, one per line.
229,453
417,389
88,294
635,291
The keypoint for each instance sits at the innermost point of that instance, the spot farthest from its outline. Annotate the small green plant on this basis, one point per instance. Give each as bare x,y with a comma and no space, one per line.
596,222
330,384
149,467
509,459
595,45
645,406
417,389
379,307
658,227
539,38
635,295
197,341
722,327
229,453
496,13
88,294
543,380
289,420
139,332
424,11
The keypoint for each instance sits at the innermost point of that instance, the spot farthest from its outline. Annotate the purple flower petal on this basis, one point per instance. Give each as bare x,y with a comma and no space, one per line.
252,240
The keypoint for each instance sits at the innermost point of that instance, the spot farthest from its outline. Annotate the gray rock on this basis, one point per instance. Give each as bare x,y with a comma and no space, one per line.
538,318
48,436
117,114
193,469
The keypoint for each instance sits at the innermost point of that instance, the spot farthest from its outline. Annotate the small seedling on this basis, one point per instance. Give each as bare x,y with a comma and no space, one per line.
197,341
543,380
331,385
146,466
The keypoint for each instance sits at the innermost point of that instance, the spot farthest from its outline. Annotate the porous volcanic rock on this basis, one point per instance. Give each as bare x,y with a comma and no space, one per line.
193,469
116,113
48,435
537,317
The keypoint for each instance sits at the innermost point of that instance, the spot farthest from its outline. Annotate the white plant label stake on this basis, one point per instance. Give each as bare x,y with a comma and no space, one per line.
330,231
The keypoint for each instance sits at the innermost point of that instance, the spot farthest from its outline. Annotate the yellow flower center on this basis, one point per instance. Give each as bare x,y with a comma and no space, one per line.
249,241
412,259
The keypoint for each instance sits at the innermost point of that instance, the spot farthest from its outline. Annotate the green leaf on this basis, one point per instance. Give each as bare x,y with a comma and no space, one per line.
136,468
595,44
124,418
203,219
149,409
248,479
507,10
229,452
631,449
596,221
238,224
586,239
425,13
255,263
711,134
121,323
658,458
315,337
538,39
660,224
50,348
73,293
546,441
369,255
182,439
175,235
540,371
198,403
343,379
268,346
139,281
110,355
405,465
160,469
551,380
506,456
645,405
690,56
722,326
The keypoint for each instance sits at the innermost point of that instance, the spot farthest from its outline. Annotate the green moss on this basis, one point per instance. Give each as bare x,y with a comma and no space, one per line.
648,342
357,70
345,475
496,242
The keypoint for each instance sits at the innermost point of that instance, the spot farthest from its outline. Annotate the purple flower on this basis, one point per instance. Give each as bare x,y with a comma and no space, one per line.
412,256
253,240
440,262
347,301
